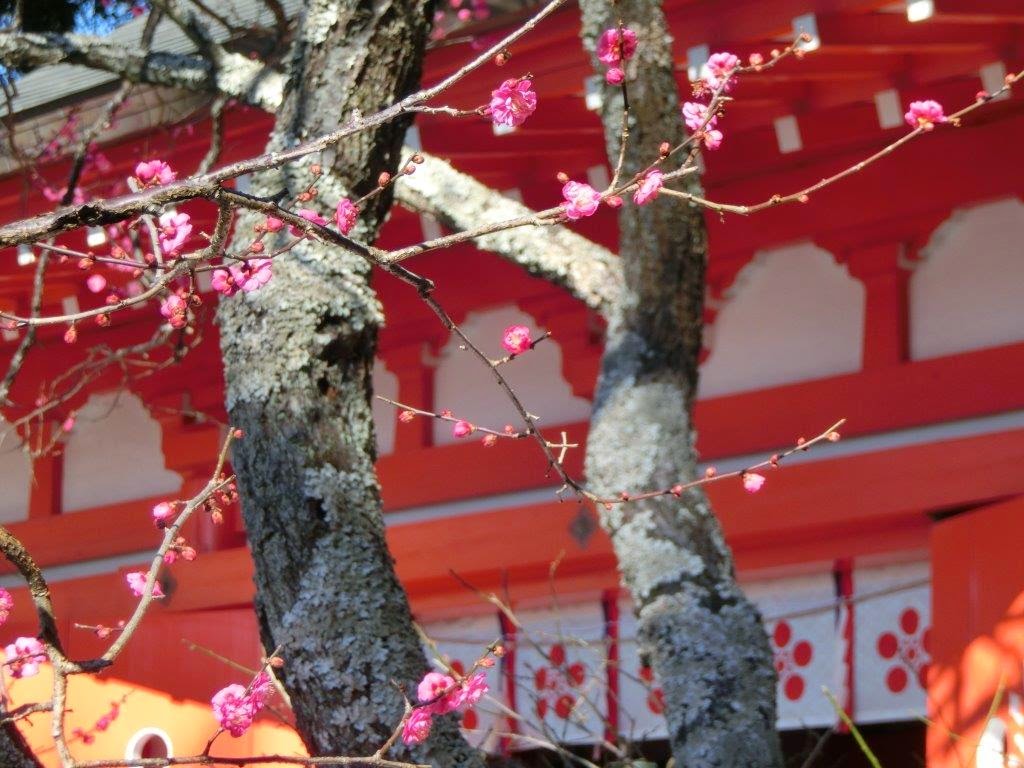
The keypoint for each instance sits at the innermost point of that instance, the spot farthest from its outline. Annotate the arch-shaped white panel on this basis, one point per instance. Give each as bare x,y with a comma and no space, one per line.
469,390
792,314
968,293
384,416
114,454
15,476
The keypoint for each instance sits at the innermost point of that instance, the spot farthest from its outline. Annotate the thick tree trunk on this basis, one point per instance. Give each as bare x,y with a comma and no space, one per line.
703,638
14,752
298,356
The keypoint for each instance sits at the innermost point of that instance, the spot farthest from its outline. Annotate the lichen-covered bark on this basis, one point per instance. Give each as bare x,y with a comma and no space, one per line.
298,356
703,637
14,751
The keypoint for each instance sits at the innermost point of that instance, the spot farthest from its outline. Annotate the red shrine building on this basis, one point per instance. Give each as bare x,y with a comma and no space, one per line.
887,566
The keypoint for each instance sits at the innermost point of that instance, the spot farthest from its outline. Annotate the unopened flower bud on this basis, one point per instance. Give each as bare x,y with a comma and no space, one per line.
664,149
315,169
710,472
103,320
417,158
563,177
490,440
384,179
71,334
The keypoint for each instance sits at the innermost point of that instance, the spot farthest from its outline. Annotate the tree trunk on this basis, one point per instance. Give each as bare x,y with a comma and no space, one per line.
298,357
14,751
704,639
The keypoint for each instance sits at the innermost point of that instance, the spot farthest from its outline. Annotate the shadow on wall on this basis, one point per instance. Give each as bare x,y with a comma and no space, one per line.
978,593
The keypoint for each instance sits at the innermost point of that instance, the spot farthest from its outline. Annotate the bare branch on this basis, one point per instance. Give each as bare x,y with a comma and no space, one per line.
234,76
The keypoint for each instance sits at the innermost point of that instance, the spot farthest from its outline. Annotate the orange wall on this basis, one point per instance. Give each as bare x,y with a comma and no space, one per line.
978,635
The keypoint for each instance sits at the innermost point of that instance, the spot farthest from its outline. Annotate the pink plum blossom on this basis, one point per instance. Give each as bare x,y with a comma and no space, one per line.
222,282
417,727
235,709
154,172
462,428
924,114
273,224
345,216
473,689
713,138
752,481
308,215
431,688
613,49
96,283
6,605
174,308
252,274
174,231
137,584
516,339
512,102
24,656
580,200
648,189
68,424
695,115
720,68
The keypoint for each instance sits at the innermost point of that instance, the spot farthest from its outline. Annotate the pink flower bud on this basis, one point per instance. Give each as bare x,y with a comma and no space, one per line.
162,511
462,428
614,76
